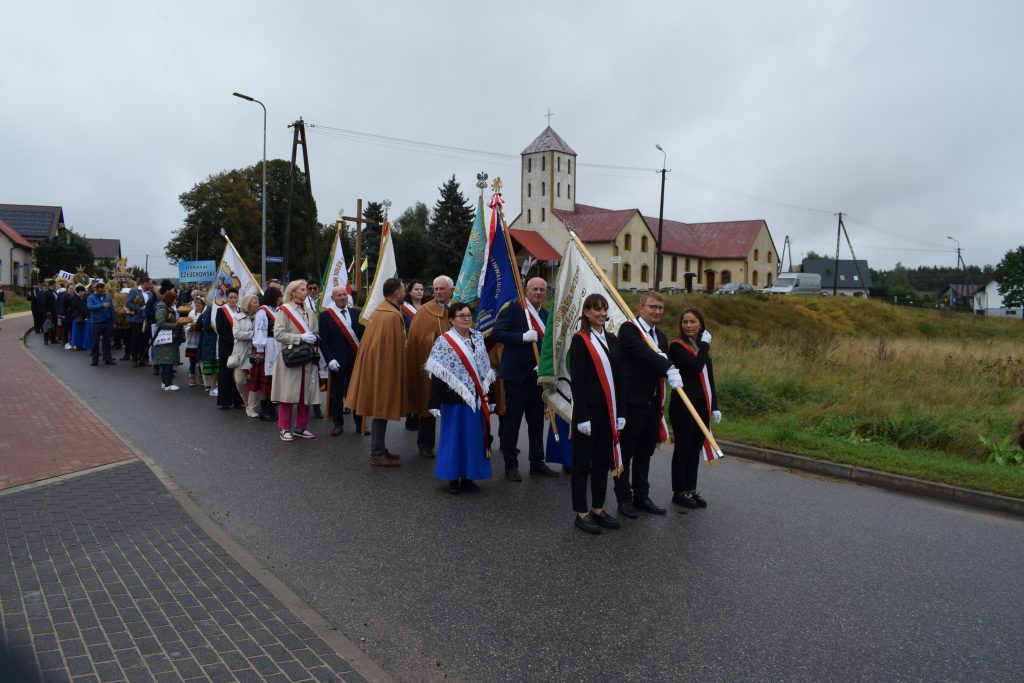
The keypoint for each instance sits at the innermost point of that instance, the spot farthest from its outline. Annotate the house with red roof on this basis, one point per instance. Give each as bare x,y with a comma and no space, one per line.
695,256
15,257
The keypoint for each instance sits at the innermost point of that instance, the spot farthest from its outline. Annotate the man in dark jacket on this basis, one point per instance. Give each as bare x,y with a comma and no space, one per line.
340,332
521,331
50,312
645,368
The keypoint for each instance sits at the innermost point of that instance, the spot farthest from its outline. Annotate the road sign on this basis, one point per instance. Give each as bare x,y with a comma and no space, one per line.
616,259
275,259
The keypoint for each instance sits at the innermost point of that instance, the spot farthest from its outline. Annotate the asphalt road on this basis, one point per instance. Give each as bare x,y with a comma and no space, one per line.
784,577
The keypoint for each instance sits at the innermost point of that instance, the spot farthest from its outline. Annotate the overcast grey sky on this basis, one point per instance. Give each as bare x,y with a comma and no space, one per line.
905,115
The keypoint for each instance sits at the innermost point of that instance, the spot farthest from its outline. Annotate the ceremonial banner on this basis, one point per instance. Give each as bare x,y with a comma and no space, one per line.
498,279
467,289
386,268
336,273
232,272
576,280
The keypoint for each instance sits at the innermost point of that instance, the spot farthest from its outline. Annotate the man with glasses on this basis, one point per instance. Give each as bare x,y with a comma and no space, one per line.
646,368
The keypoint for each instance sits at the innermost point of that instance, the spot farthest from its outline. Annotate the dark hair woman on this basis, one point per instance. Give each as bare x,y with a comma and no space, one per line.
691,353
460,377
224,324
166,353
266,348
598,401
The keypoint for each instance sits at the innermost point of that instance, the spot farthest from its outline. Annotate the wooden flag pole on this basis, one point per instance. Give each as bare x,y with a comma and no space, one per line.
622,304
519,291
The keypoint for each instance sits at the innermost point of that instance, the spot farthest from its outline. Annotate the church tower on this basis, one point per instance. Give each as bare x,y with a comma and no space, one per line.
548,182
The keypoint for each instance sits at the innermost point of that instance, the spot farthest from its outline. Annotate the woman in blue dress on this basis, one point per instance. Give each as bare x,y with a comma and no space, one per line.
81,337
461,376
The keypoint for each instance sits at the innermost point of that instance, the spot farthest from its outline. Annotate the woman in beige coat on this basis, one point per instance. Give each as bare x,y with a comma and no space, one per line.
243,333
298,386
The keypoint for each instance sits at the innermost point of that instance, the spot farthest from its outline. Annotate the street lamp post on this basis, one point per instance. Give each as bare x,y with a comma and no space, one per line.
661,219
263,194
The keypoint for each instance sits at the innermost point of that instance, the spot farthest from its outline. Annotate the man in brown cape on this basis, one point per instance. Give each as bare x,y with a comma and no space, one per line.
429,323
379,383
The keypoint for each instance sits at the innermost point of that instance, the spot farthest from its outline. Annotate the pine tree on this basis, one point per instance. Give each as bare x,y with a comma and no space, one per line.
412,241
374,211
449,231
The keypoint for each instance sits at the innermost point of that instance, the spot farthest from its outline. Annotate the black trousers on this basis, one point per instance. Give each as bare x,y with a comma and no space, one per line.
137,341
101,333
522,400
426,433
339,385
591,459
227,392
638,439
686,455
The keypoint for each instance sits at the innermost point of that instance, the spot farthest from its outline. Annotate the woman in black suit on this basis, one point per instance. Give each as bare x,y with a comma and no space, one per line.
595,369
691,353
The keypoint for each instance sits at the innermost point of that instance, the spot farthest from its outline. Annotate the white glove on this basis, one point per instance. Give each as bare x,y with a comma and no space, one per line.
435,412
674,379
334,366
716,416
529,336
584,428
663,355
620,424
705,336
309,338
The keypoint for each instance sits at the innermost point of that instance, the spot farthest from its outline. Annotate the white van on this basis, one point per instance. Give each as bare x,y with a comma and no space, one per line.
796,283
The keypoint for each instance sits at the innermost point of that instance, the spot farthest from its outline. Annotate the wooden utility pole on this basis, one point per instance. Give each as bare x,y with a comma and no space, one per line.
359,220
841,232
299,139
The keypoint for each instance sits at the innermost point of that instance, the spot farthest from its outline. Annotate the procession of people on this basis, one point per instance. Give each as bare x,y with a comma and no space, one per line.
282,354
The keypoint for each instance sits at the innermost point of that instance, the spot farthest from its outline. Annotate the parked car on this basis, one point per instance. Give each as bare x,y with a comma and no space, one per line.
796,283
735,288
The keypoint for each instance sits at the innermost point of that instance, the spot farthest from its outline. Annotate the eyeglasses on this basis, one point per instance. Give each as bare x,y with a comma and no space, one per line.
464,315
655,308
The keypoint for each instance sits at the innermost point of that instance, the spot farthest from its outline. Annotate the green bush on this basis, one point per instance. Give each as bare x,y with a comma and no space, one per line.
744,397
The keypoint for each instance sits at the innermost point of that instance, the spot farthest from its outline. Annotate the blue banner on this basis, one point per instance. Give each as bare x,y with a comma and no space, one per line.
196,271
499,279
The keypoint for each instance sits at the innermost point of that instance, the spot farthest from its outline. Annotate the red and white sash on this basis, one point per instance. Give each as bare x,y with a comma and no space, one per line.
705,385
299,322
346,328
533,317
229,315
662,425
485,410
408,309
603,367
271,318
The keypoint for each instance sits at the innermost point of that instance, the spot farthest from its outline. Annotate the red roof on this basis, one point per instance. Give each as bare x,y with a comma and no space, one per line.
14,236
594,224
727,239
536,245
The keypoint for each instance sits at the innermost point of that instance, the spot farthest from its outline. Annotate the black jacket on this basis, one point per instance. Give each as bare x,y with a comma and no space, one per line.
333,344
79,309
690,367
642,366
588,402
517,359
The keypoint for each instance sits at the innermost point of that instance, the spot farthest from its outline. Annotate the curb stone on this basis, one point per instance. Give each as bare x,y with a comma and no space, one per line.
885,480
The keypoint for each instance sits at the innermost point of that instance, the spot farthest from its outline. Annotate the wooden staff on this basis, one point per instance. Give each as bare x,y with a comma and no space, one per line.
522,301
622,304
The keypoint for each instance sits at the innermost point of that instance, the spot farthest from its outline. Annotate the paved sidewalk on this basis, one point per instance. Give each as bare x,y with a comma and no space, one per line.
44,430
104,575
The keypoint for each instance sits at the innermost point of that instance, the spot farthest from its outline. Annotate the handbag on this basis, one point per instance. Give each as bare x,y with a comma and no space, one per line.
178,335
295,355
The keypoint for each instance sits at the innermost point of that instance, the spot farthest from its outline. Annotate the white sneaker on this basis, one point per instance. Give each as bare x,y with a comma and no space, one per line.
171,387
67,347
213,392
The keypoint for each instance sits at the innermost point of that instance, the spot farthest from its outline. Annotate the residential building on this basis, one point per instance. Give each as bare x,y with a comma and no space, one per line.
854,276
15,257
989,301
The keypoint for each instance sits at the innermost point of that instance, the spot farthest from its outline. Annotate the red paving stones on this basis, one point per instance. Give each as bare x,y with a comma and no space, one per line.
45,431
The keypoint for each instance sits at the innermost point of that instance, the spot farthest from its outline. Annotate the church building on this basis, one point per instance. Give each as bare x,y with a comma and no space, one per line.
695,256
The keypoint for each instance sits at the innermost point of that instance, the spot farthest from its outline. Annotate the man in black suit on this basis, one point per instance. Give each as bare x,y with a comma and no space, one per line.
50,312
644,368
340,332
520,330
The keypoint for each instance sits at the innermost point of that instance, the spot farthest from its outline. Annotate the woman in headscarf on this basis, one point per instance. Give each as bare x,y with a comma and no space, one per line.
598,401
242,351
295,387
460,376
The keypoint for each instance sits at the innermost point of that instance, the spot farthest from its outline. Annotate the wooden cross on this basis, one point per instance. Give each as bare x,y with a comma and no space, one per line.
359,220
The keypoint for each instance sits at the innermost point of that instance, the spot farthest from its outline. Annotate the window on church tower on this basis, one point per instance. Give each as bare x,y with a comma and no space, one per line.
529,164
559,164
559,189
569,162
625,272
645,273
568,190
643,244
543,189
529,189
528,216
542,214
543,163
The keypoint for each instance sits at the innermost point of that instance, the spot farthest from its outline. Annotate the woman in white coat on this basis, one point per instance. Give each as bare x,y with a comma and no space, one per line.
242,350
297,386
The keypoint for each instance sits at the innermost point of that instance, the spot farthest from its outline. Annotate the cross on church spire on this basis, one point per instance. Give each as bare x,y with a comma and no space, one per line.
549,115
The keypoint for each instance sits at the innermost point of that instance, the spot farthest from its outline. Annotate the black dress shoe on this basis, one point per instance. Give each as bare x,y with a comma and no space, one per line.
453,487
700,501
605,520
469,485
513,475
648,505
338,429
94,363
626,509
542,470
685,500
587,524
110,362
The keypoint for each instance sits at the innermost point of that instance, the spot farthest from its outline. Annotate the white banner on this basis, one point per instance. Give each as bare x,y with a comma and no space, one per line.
232,272
336,274
386,268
